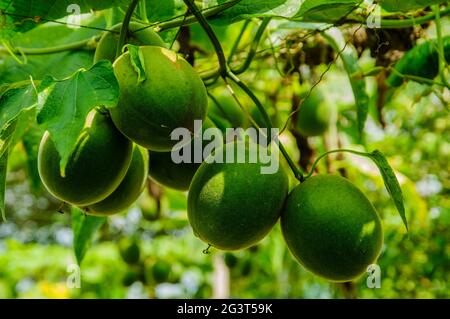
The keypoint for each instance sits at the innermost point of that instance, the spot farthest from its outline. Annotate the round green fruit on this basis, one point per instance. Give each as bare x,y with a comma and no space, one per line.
107,46
161,271
232,205
171,96
129,189
170,174
314,115
331,228
129,250
95,168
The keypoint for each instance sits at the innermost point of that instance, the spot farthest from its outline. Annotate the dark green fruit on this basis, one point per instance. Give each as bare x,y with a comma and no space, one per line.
107,46
161,271
167,173
129,189
232,205
172,96
332,228
230,260
129,250
94,170
130,277
314,115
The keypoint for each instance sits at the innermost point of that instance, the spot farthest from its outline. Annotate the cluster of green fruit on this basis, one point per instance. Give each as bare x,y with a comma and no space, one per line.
328,224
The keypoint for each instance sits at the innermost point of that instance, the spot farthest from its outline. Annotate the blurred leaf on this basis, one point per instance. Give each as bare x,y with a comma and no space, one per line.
64,104
405,6
31,141
84,228
3,167
391,183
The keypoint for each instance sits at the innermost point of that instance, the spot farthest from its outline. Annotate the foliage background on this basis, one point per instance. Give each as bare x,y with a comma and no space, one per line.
36,241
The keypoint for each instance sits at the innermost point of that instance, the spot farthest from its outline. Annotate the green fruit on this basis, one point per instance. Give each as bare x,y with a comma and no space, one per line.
167,173
161,271
230,260
171,96
95,168
314,115
232,205
130,277
129,189
227,109
332,228
107,46
129,250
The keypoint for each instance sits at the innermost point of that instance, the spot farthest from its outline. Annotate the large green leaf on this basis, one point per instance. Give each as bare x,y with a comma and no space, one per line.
64,104
84,228
405,6
23,15
326,10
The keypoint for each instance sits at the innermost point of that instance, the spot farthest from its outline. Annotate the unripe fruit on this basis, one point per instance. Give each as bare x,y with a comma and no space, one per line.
129,250
171,96
331,228
232,205
129,189
107,46
314,115
170,174
95,168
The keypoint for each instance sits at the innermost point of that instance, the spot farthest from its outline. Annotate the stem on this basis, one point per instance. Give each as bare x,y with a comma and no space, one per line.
297,173
238,40
211,35
79,45
254,47
143,11
440,43
405,23
313,167
124,28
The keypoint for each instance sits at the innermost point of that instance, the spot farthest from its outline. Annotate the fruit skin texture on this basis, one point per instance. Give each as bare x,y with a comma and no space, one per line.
331,228
129,189
314,115
95,168
232,205
172,96
107,46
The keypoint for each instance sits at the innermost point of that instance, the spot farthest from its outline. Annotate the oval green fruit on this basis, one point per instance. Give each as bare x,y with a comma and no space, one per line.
107,46
129,250
95,168
232,205
129,189
171,96
314,115
170,174
331,228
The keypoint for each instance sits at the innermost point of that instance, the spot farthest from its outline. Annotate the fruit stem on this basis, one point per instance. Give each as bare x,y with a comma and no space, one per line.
79,45
211,35
125,25
440,44
402,23
253,49
313,167
297,173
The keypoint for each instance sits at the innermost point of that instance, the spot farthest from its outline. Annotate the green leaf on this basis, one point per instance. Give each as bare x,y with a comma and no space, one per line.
84,228
405,6
64,104
137,61
31,141
3,171
23,15
358,84
391,182
326,10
